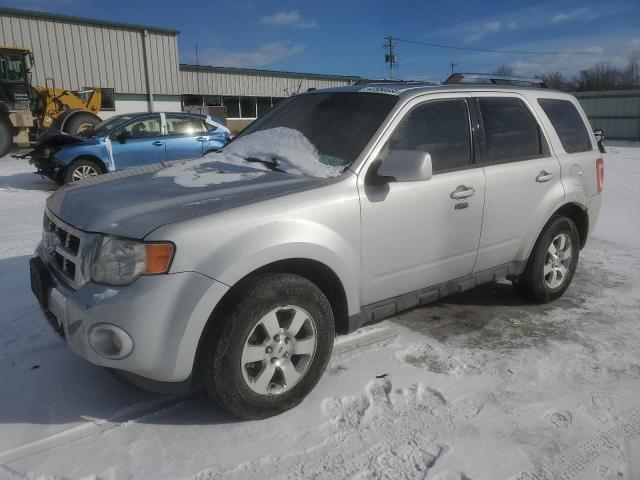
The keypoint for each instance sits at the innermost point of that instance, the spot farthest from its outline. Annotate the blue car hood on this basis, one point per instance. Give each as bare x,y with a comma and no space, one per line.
134,202
50,137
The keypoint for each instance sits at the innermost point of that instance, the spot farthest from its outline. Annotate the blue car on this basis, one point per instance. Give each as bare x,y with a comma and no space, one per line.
125,141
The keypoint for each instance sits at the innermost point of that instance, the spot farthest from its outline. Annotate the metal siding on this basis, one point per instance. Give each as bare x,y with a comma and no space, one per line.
219,83
80,55
617,112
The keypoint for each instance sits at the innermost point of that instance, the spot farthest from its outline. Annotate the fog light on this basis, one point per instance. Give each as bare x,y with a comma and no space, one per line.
110,341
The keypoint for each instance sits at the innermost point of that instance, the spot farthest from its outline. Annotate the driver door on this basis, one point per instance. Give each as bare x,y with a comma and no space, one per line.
138,143
415,234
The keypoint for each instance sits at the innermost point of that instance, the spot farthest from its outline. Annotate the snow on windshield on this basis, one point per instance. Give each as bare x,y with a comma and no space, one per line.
213,169
293,152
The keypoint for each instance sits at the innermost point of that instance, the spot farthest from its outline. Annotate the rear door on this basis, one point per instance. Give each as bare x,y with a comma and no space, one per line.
140,142
522,178
185,136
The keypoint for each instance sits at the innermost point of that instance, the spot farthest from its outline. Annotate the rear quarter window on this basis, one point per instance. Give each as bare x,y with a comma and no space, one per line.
568,124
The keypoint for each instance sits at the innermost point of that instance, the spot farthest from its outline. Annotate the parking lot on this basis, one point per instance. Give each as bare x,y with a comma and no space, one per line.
480,385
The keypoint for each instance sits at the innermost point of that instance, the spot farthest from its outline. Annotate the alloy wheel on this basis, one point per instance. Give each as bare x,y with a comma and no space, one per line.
279,350
83,171
558,261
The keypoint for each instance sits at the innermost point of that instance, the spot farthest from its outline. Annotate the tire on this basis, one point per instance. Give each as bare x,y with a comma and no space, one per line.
546,277
78,122
74,172
260,388
6,137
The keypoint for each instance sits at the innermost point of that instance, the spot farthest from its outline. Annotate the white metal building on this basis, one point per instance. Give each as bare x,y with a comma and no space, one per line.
137,67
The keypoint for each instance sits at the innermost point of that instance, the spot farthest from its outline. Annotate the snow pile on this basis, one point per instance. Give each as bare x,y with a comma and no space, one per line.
293,152
212,169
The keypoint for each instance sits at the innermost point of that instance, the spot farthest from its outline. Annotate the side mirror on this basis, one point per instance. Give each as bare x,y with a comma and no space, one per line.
405,166
121,137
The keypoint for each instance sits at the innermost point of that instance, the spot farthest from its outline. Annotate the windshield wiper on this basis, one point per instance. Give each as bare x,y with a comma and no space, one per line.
272,164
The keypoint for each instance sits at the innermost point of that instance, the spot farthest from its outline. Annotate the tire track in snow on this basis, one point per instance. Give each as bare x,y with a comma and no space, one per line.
132,413
359,342
609,442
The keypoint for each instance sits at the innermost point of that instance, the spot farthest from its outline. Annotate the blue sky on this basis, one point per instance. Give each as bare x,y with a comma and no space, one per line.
346,36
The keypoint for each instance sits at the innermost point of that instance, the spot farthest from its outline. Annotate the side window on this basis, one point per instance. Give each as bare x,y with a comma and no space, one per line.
147,127
440,128
568,124
511,132
184,126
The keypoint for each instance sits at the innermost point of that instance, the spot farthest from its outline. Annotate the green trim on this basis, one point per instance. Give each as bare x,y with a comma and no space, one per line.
130,96
18,12
634,93
161,97
613,117
267,73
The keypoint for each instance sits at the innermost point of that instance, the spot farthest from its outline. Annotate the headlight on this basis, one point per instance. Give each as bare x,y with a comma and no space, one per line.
120,261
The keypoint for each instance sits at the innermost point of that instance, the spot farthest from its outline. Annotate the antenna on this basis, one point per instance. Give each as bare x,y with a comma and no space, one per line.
391,58
453,65
198,77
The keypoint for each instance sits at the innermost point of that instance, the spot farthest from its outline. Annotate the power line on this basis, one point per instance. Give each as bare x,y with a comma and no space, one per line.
517,52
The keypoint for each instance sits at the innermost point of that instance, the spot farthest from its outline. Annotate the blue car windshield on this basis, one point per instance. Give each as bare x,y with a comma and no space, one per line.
336,125
107,126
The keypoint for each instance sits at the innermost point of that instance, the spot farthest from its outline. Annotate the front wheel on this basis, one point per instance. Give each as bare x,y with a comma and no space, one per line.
552,262
268,350
81,169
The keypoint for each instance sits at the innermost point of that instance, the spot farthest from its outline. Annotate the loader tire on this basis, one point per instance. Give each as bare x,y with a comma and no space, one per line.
6,137
79,122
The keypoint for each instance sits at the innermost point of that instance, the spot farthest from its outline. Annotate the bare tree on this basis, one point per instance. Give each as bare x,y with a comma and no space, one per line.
556,80
631,74
601,76
504,70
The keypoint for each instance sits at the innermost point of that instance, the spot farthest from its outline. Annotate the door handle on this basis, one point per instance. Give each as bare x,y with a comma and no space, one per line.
158,143
544,176
201,139
463,192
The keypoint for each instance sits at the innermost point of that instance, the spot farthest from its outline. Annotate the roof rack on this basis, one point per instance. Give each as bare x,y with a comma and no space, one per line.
489,79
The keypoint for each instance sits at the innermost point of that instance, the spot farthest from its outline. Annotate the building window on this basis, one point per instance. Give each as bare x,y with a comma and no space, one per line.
263,104
108,98
248,107
233,106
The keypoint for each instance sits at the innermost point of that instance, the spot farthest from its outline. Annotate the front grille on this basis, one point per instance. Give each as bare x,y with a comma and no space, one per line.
62,247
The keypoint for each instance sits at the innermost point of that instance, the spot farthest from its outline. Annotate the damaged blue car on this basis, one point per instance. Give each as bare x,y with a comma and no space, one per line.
126,141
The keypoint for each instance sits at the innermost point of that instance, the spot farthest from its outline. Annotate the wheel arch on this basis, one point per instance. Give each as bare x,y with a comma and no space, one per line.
315,271
576,212
88,156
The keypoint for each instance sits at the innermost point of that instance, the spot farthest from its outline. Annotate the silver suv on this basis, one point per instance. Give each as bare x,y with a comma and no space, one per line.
336,208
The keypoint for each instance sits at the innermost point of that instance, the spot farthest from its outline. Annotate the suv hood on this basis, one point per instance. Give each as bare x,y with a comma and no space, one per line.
133,202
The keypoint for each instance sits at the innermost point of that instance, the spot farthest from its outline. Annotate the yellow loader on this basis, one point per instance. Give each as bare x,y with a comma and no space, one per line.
24,108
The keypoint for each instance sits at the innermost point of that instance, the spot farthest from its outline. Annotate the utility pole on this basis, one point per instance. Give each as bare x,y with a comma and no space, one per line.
198,78
390,57
453,65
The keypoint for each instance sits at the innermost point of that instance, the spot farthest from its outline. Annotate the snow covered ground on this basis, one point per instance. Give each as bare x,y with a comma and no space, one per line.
477,386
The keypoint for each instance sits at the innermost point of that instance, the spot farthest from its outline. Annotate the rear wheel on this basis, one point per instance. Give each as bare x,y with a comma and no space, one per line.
270,348
81,169
6,137
552,262
79,122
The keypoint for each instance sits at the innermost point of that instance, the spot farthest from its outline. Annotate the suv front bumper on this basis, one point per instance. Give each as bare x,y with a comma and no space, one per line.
163,315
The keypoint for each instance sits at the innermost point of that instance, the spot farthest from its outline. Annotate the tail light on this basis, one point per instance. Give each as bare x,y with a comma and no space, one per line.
599,175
